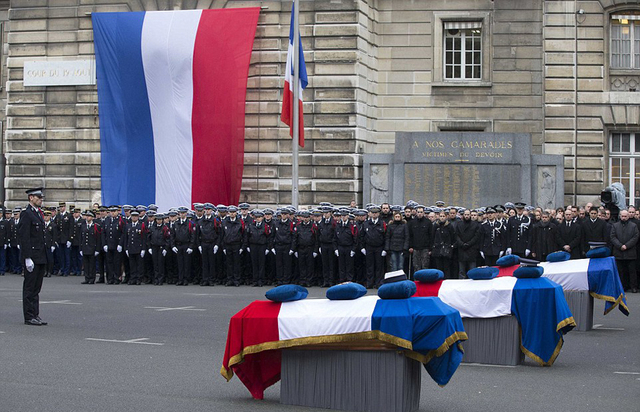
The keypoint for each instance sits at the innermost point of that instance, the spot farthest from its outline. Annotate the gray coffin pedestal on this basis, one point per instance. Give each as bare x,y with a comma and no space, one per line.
494,341
581,306
366,380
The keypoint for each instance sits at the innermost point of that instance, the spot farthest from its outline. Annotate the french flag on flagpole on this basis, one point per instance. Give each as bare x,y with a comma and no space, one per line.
171,95
287,99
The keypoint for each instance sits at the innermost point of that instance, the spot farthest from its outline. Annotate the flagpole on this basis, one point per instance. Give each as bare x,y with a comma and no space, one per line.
296,111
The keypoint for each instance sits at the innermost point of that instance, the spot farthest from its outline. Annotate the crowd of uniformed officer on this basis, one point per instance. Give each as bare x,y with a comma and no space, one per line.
234,245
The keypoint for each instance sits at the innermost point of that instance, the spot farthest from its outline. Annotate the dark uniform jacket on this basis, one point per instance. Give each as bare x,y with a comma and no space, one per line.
91,240
373,234
13,232
597,231
63,225
467,239
285,234
113,229
492,237
259,234
420,233
5,232
74,231
159,235
31,237
397,238
50,235
307,236
543,239
326,231
134,238
208,231
346,235
233,233
624,233
183,234
518,233
569,235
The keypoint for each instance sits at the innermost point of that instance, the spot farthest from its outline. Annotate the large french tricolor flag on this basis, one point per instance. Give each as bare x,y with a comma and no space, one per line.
287,98
171,94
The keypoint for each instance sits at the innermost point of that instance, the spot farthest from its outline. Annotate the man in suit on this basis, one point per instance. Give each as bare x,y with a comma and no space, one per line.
31,238
569,235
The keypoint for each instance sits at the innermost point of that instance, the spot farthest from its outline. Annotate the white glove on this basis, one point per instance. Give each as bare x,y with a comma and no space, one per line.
164,252
127,252
508,252
240,251
200,249
320,251
482,254
290,252
315,254
68,244
363,251
266,252
150,252
224,251
142,253
189,251
384,253
5,247
96,253
501,253
174,249
105,248
352,253
81,254
215,249
273,251
527,252
53,248
119,249
296,254
18,247
29,264
248,250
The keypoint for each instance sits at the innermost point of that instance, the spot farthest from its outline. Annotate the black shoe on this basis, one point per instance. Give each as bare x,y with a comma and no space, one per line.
86,282
33,322
101,280
634,290
111,282
41,321
138,283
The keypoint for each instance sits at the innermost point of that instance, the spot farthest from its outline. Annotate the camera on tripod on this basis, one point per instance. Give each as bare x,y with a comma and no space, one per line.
613,198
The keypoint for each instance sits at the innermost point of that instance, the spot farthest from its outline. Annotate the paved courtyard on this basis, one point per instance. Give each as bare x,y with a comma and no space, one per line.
155,348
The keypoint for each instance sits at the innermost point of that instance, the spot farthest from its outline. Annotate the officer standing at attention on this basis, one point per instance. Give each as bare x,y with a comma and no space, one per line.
32,245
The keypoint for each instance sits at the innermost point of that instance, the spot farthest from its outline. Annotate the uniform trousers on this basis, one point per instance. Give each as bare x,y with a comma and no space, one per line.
208,263
258,260
345,264
76,262
247,266
270,268
15,263
375,265
3,260
196,266
327,254
284,264
30,291
234,267
113,265
136,268
101,263
305,264
64,257
158,263
171,267
359,272
49,270
184,264
89,265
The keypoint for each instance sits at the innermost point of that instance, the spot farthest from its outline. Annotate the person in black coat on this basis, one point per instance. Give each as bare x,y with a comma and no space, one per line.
4,239
420,237
50,236
543,237
569,235
31,239
594,229
346,243
159,243
233,241
397,240
372,242
518,235
91,242
134,243
207,240
492,238
444,238
468,243
307,243
182,244
259,238
284,246
624,238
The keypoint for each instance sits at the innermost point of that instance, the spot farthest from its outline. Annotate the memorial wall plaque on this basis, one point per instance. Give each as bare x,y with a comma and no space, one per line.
59,73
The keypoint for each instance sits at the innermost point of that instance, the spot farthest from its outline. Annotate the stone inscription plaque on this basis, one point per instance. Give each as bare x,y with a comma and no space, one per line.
462,184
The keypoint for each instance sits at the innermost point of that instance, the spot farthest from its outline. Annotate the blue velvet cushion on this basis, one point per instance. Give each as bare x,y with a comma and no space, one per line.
287,293
599,252
508,260
528,272
346,291
428,275
558,256
483,273
397,290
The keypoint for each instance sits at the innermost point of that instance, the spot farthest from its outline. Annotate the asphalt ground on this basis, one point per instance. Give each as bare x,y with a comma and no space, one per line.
80,362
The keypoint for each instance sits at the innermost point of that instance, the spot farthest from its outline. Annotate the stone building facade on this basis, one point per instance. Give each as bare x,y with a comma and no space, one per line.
376,67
